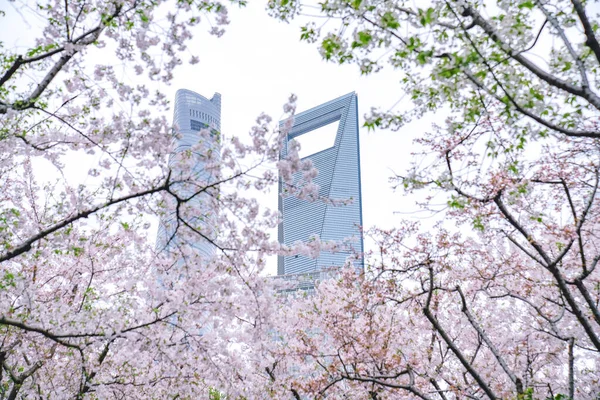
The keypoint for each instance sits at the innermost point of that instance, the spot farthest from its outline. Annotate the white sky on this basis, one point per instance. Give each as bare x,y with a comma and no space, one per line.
258,63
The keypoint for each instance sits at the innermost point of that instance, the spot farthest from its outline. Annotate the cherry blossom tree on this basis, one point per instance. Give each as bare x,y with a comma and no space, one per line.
88,307
500,300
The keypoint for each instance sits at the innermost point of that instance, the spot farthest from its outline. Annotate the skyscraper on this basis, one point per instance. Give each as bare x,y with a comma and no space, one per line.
195,147
338,178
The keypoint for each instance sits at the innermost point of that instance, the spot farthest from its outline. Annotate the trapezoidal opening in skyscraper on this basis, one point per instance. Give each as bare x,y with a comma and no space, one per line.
317,140
338,179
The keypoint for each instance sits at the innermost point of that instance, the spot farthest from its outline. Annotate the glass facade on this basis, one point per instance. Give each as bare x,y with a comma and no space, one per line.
196,151
338,178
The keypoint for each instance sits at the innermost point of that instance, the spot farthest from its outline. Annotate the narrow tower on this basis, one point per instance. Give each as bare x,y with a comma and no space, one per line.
196,145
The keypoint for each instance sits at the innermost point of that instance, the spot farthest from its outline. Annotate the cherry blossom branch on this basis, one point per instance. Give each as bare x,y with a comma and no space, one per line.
579,224
378,381
57,337
551,266
522,110
551,321
450,343
580,221
517,56
87,377
568,45
456,188
271,373
438,389
588,299
181,200
530,239
18,379
26,245
583,91
87,137
488,342
523,249
413,13
84,39
576,221
581,318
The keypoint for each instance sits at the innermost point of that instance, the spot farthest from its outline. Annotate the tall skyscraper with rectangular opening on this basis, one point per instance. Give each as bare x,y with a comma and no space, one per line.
198,123
339,178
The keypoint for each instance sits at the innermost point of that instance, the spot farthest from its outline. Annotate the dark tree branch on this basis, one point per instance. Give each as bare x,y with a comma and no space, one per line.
524,250
591,40
409,388
588,299
571,369
437,387
577,312
576,221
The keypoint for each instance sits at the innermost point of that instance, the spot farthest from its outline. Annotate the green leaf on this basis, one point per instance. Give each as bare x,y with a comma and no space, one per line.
331,46
371,125
364,38
8,280
424,56
527,4
456,202
478,224
388,20
308,34
413,43
426,16
41,49
449,73
356,4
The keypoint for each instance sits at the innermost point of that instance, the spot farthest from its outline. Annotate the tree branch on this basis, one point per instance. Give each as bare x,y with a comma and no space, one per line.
583,92
85,39
561,32
521,229
488,342
571,369
450,343
591,40
26,246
